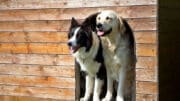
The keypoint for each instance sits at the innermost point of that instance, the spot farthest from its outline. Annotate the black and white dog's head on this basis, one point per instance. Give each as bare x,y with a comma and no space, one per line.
80,34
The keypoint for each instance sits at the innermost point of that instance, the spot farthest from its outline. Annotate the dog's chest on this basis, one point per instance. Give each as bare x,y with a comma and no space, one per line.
89,65
114,60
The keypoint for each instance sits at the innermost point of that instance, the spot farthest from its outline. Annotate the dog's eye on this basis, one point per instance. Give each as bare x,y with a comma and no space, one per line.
78,35
107,18
99,18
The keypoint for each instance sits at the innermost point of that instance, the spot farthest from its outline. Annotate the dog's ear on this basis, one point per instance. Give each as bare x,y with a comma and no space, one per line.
121,26
74,22
90,21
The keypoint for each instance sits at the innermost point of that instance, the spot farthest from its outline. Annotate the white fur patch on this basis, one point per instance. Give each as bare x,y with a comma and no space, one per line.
73,38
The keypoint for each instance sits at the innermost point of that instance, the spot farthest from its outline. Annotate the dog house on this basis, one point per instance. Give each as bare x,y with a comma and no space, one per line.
35,64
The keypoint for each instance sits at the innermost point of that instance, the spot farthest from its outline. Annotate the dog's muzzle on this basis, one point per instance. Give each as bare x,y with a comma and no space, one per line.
101,31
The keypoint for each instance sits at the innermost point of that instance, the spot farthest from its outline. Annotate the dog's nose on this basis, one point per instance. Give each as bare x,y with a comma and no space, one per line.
99,25
69,43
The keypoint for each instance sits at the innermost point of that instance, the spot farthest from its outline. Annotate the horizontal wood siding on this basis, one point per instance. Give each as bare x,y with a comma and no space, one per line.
35,63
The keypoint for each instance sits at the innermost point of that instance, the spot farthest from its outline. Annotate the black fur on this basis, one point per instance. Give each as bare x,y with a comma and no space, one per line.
129,32
85,39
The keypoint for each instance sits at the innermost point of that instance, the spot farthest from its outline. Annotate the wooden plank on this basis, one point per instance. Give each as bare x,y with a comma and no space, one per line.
67,14
136,24
37,70
49,48
34,48
146,50
146,87
143,24
57,37
146,75
38,59
146,63
146,97
33,37
37,81
35,4
25,98
142,62
54,93
146,37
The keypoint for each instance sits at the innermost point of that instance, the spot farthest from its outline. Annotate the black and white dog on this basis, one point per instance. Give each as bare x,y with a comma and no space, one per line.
86,47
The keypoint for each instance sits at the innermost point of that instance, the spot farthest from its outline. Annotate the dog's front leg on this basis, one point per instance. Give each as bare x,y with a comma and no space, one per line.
89,88
97,89
120,91
109,88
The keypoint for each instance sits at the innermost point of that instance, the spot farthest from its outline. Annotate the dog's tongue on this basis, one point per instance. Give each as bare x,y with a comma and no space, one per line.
72,49
100,33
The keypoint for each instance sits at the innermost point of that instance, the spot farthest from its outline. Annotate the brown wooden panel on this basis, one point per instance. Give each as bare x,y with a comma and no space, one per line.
37,81
146,75
146,50
136,24
146,87
143,24
44,48
25,98
146,97
55,93
37,70
37,59
67,14
142,62
146,63
140,37
33,36
34,48
25,4
146,37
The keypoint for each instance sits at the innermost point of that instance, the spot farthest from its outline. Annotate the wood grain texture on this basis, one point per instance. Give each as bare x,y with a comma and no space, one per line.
49,48
54,93
26,98
146,75
146,87
58,37
136,24
146,50
38,59
67,14
14,59
25,4
38,37
37,81
146,97
37,70
146,63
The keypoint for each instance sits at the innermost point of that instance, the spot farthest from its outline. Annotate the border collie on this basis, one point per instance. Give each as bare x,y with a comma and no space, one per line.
86,47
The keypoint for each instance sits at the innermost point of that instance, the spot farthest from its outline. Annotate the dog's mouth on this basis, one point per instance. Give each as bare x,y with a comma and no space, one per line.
101,32
74,49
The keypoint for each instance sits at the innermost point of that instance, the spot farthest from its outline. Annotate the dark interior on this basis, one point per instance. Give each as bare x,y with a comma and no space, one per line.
169,50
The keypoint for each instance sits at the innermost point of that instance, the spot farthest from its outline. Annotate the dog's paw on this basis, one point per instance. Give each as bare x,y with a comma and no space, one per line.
83,99
106,99
96,99
119,98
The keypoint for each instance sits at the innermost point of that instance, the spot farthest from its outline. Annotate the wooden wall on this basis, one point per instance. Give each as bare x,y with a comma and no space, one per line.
34,58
